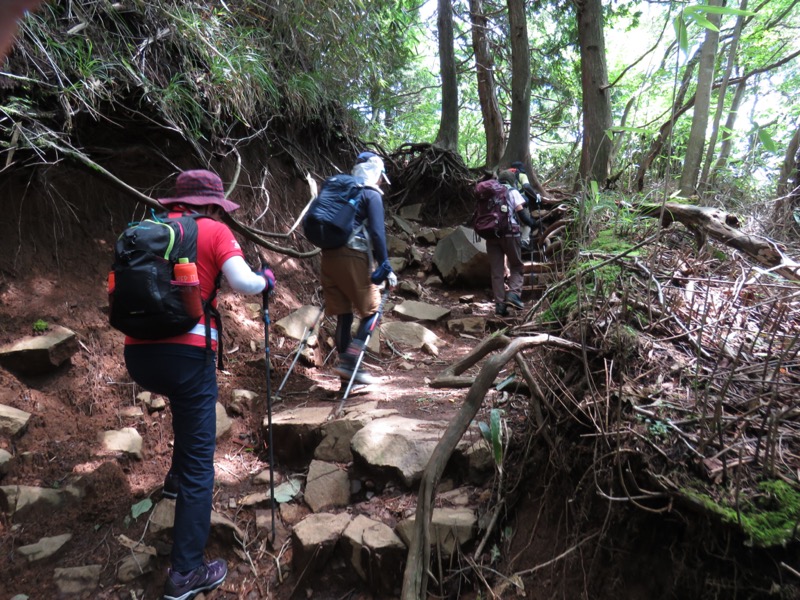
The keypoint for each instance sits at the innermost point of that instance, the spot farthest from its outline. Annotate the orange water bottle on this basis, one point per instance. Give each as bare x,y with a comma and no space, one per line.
111,282
186,277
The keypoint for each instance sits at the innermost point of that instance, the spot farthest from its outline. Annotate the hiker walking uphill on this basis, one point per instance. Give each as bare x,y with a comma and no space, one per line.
503,243
349,282
523,186
182,366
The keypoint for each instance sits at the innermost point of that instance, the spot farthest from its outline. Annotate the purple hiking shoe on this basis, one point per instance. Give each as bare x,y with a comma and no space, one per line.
203,579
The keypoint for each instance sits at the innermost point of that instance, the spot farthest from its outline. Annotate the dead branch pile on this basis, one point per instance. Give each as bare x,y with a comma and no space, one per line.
683,377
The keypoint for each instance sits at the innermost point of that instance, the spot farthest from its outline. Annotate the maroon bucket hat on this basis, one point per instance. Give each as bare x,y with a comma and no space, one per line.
199,188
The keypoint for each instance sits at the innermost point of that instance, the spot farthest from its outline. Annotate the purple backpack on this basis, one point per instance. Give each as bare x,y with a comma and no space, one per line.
493,213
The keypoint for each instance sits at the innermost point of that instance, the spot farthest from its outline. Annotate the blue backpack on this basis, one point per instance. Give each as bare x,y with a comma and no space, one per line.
330,219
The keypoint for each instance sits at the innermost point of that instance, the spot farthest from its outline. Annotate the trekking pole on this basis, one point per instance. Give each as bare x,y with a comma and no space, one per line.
361,354
265,303
300,348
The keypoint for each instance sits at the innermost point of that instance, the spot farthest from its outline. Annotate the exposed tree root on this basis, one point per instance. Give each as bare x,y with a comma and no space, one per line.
415,577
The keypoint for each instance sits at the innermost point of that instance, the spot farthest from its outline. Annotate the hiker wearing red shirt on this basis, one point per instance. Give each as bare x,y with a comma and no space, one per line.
183,369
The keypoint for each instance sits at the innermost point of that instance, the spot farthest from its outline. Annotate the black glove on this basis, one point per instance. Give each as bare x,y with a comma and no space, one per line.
526,219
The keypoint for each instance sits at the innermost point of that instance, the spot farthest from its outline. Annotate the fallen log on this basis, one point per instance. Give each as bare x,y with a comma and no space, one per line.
707,221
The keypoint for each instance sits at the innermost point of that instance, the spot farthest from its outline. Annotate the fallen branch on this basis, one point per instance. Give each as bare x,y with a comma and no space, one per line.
705,221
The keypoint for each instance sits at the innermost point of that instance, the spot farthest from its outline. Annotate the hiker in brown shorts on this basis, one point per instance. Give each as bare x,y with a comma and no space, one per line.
349,283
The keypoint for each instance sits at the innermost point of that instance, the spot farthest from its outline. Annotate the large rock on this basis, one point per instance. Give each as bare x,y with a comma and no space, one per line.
16,498
335,445
77,581
45,547
38,354
397,446
460,258
421,311
224,422
12,420
314,539
327,486
296,433
6,460
410,335
295,325
126,441
376,554
450,527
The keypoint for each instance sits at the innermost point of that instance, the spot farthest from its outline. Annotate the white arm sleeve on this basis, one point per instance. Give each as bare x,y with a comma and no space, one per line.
241,277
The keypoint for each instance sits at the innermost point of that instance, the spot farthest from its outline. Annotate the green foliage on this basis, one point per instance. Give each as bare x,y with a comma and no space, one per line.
137,510
493,434
40,326
768,519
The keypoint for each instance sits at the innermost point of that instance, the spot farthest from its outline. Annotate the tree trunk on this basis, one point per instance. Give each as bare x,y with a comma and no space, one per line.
789,170
447,137
723,88
697,134
727,139
484,66
596,148
518,146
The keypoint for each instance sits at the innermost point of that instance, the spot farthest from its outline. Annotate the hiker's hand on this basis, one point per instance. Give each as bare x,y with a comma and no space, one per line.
380,274
269,277
391,280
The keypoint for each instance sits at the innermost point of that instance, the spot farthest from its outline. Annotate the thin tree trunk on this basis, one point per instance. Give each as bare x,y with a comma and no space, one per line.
723,88
705,81
447,137
727,138
484,66
789,165
678,108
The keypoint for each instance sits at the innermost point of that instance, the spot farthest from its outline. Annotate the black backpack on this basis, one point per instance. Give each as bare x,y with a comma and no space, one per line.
145,299
330,219
493,213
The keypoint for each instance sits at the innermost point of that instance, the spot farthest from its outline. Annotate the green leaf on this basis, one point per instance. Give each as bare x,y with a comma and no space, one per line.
286,491
681,35
140,508
703,22
505,383
485,431
497,440
766,139
719,10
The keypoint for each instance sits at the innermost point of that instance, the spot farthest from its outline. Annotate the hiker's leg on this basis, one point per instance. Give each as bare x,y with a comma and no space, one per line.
497,267
511,247
349,359
194,424
188,380
343,337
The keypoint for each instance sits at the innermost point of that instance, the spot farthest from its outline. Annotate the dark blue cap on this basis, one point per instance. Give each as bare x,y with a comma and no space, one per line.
365,156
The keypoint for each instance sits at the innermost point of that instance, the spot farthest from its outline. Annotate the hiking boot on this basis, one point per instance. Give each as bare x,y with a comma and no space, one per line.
514,300
347,363
171,486
204,578
345,371
500,309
